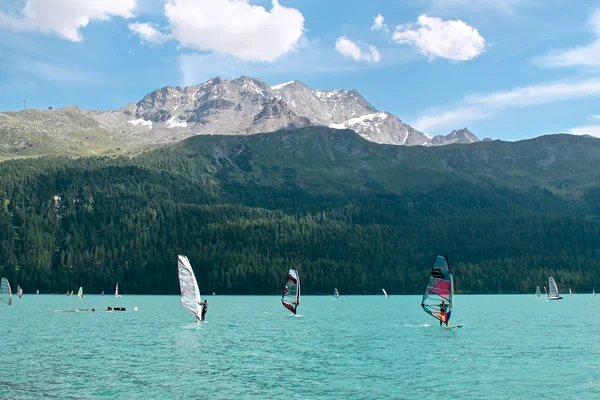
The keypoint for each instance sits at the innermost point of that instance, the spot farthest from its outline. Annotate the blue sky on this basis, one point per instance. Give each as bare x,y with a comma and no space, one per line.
507,69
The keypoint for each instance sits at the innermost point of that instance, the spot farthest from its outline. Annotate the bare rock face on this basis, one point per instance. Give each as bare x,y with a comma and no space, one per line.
463,136
241,106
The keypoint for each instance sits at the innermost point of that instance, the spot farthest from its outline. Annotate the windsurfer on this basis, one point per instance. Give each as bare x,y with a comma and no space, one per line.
204,309
444,313
109,308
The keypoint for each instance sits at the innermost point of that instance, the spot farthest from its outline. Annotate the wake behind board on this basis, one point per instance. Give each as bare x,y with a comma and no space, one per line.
455,326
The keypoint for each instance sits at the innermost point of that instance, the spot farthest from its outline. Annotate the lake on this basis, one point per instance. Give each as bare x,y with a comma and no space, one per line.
356,347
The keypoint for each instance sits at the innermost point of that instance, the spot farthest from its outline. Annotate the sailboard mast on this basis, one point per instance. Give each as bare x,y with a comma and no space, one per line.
5,292
440,288
190,292
291,293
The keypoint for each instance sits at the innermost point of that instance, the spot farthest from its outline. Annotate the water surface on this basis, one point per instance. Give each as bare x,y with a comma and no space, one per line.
356,347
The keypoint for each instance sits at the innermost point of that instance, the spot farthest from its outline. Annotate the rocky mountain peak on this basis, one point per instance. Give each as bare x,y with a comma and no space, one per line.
463,136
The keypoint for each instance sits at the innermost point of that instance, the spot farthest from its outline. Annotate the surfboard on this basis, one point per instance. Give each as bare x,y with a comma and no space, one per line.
455,326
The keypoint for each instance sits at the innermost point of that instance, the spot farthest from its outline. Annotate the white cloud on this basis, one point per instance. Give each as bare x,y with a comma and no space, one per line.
66,17
593,117
235,27
592,130
148,33
348,48
433,37
583,56
379,25
481,106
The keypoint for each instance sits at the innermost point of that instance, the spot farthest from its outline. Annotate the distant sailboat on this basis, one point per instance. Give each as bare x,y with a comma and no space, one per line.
37,292
19,291
80,293
554,294
594,292
545,291
103,293
570,292
291,294
117,291
336,294
538,292
385,293
190,292
5,292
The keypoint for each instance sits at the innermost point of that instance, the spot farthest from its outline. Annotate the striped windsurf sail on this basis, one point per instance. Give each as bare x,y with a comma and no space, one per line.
385,293
80,292
190,292
538,292
5,292
553,288
291,293
440,287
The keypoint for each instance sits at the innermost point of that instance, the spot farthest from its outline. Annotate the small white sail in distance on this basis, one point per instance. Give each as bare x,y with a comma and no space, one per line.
553,288
190,292
385,293
5,292
117,291
80,292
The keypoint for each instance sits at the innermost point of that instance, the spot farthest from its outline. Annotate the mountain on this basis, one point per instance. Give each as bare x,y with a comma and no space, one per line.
462,136
349,213
241,106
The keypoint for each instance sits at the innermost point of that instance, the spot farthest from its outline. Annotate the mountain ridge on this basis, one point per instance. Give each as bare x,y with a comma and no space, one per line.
242,106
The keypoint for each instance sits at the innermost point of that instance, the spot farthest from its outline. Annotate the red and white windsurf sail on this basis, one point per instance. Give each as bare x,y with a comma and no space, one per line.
291,293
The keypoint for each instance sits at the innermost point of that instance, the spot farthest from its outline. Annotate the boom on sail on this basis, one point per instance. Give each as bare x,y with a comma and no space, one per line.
190,292
439,290
291,293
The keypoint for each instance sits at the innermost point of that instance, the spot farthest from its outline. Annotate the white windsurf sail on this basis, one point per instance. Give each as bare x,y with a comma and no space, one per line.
594,292
385,293
291,293
19,291
37,292
5,292
190,292
545,291
80,292
570,292
117,291
336,294
538,292
554,294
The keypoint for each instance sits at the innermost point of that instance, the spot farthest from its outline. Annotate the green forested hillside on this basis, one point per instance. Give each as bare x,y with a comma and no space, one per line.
348,213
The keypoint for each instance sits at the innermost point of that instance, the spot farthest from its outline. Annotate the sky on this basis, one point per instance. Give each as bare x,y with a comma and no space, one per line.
506,69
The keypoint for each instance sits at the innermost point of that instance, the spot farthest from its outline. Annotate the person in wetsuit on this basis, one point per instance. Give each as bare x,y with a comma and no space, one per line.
444,313
204,309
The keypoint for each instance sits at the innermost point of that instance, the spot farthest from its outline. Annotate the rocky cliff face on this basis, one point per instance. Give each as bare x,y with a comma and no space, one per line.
241,106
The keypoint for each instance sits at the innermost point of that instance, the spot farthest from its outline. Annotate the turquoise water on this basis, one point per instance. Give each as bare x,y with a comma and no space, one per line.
357,347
